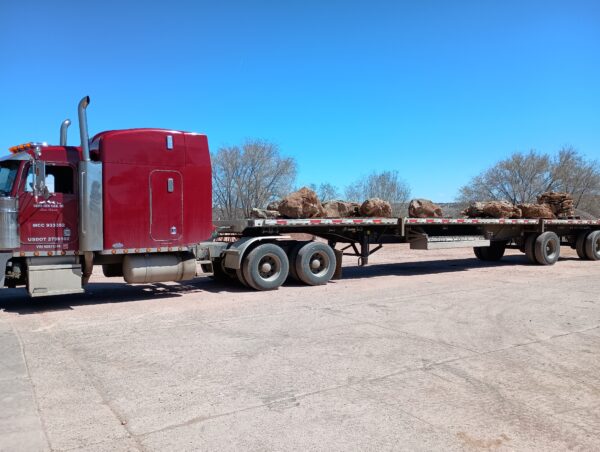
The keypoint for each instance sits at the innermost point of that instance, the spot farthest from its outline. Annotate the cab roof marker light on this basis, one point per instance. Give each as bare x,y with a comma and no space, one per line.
26,146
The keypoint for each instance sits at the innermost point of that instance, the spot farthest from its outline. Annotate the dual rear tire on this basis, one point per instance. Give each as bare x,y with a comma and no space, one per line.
588,245
542,249
267,266
491,253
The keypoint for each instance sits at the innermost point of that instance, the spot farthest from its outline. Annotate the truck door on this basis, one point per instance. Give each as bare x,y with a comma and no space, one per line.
166,205
49,223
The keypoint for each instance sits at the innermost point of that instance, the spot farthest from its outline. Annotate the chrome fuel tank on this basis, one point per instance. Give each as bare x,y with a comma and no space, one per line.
9,224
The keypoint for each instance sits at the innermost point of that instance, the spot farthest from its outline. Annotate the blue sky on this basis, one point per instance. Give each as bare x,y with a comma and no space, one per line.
434,89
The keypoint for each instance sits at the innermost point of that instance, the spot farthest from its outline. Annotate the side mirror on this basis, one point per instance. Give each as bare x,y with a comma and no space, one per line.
39,178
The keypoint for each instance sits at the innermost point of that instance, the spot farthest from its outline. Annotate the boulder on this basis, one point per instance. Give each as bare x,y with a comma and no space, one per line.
273,205
341,209
263,213
303,203
376,207
492,209
561,203
536,211
424,208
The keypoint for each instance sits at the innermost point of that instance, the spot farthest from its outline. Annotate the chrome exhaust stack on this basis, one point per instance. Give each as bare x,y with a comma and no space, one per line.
63,131
83,128
91,215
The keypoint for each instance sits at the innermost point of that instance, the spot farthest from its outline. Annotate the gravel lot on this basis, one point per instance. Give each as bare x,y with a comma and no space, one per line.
419,351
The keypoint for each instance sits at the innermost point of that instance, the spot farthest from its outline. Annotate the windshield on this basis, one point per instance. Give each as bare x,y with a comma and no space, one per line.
8,175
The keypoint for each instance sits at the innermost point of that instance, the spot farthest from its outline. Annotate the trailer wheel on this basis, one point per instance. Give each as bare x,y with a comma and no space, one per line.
580,245
547,248
266,267
530,248
494,252
315,263
592,246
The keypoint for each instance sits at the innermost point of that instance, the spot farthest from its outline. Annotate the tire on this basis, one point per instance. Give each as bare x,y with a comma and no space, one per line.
547,248
266,267
239,276
112,270
315,263
592,246
491,253
292,255
529,248
220,273
580,245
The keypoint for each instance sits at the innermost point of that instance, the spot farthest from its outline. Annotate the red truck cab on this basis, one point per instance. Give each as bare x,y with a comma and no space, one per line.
134,201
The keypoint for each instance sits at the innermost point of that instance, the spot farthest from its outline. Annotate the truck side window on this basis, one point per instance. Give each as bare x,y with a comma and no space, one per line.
59,179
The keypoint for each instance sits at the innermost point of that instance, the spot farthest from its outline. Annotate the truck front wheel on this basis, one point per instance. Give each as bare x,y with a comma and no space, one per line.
266,267
315,263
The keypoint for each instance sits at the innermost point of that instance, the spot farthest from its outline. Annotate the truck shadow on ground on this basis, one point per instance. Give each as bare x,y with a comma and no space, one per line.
428,267
116,291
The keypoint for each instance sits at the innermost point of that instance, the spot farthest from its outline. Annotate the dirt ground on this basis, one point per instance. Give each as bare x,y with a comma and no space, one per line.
419,351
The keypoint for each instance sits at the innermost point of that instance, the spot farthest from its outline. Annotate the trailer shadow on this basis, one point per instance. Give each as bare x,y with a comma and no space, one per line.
108,292
428,267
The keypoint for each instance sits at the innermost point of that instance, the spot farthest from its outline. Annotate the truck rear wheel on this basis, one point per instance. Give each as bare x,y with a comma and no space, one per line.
529,248
220,272
580,245
592,246
239,273
315,263
266,267
292,256
494,252
547,248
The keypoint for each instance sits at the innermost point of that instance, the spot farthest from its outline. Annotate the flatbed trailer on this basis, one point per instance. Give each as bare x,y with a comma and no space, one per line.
138,202
263,253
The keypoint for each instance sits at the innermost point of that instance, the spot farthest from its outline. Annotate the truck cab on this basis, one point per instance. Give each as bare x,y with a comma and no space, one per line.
135,201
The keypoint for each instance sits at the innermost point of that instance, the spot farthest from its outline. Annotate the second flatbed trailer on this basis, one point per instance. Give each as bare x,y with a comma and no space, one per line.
263,253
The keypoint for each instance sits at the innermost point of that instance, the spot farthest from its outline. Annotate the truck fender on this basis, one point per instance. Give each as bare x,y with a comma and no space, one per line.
235,253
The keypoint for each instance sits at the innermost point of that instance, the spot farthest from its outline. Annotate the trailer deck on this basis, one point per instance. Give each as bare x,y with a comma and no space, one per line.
539,239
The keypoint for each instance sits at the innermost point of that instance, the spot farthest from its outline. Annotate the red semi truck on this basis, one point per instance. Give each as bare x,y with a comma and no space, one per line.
138,202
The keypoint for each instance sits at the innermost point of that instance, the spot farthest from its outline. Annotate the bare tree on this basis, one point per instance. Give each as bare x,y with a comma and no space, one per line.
249,176
326,191
521,178
386,185
576,175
